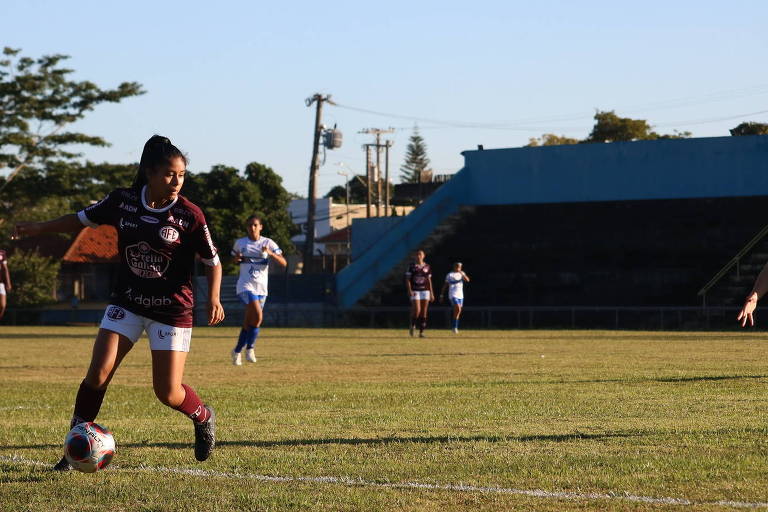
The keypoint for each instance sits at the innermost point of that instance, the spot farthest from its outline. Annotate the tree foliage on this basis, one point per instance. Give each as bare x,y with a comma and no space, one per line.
750,128
416,166
550,139
229,198
34,279
611,128
37,103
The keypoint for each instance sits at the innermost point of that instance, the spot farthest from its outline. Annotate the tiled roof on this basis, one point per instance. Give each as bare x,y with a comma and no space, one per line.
338,236
91,245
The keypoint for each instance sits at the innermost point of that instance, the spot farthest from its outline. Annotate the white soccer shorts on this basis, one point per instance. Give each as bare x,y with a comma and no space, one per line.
161,336
420,295
2,288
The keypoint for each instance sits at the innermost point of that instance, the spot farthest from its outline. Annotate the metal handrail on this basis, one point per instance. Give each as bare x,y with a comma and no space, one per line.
734,261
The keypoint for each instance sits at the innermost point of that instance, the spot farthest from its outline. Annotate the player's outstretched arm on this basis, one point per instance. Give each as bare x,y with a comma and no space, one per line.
64,224
215,309
277,257
464,276
750,303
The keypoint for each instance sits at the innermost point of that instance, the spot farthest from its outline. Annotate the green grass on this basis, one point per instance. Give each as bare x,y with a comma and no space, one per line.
657,414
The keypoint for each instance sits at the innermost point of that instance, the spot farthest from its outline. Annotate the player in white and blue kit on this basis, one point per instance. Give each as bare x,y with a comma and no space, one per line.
253,253
454,281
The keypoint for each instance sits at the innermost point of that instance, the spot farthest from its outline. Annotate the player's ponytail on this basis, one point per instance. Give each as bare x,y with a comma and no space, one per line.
158,150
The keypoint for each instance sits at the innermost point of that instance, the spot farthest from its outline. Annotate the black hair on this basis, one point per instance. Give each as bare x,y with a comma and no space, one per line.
255,216
158,151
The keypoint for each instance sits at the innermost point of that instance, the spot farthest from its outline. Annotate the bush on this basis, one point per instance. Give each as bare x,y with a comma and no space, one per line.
34,279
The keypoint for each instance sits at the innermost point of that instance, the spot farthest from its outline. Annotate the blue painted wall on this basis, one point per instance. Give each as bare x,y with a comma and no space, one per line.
660,169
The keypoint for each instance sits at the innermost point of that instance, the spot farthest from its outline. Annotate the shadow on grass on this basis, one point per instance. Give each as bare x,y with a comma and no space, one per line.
376,441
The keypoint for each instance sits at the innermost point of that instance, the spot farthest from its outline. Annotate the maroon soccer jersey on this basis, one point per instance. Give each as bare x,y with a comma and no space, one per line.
419,276
157,250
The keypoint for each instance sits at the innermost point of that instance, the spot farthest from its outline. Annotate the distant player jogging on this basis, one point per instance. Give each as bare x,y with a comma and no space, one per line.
159,232
5,282
253,254
454,282
418,281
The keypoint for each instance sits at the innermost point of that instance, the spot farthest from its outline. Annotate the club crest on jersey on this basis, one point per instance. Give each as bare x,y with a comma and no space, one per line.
149,220
146,262
115,313
169,234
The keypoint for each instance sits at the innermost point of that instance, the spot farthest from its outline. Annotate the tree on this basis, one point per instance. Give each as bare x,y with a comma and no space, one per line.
37,102
416,165
34,279
228,199
611,128
358,191
750,128
550,139
277,221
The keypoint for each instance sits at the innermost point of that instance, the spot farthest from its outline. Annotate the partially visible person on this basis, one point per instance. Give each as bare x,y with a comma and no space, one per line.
760,288
418,281
454,281
253,253
159,233
5,282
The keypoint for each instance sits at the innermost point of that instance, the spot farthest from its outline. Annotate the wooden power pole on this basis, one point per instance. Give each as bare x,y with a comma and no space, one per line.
377,175
309,238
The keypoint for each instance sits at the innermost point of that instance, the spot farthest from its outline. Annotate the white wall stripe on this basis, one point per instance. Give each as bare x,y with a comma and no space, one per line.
535,493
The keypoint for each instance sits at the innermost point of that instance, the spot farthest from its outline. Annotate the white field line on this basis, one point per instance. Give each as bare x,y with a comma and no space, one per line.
340,480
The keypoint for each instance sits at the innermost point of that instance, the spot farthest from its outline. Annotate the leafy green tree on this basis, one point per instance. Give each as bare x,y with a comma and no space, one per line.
750,128
34,279
228,199
611,128
550,139
358,191
277,222
416,165
38,101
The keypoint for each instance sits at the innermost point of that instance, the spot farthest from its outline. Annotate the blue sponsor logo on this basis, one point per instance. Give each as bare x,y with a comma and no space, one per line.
150,220
115,313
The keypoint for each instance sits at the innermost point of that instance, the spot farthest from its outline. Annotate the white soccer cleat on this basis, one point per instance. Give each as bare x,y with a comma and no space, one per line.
250,355
455,330
236,358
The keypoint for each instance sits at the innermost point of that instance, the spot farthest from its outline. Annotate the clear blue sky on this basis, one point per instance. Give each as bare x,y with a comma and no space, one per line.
227,81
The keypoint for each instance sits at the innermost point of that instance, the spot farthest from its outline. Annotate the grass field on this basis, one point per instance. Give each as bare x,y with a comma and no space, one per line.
360,419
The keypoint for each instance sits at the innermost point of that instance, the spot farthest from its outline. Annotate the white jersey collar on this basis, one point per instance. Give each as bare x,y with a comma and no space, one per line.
155,210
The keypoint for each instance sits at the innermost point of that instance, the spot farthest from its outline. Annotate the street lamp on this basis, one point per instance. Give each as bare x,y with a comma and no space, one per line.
346,188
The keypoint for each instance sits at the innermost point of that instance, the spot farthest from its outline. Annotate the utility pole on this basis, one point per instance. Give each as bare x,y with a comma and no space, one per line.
368,180
386,178
378,145
309,238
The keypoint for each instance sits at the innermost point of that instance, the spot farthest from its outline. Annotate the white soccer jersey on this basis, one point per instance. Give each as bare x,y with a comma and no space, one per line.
254,269
455,281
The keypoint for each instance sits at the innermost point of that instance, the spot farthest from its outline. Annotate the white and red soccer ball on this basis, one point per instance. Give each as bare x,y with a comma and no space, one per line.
89,447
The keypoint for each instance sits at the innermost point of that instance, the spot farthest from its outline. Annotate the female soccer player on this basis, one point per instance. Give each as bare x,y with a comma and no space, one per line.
455,280
252,253
159,233
418,281
5,282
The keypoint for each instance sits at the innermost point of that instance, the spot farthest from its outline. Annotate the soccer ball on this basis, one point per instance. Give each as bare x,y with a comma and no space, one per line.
89,447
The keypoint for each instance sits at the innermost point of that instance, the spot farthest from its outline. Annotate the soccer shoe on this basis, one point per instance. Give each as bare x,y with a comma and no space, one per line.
250,355
455,330
205,436
421,335
236,358
410,331
63,465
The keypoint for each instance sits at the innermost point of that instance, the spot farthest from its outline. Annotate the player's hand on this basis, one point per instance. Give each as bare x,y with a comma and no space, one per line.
25,230
215,312
745,315
238,258
431,297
